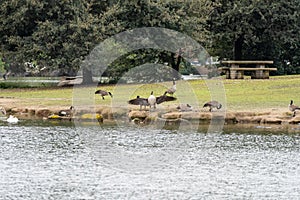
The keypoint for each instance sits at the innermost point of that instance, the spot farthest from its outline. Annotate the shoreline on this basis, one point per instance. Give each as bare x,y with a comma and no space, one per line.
106,114
247,102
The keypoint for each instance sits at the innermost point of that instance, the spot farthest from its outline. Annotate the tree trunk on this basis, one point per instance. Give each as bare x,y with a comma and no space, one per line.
87,76
238,46
175,63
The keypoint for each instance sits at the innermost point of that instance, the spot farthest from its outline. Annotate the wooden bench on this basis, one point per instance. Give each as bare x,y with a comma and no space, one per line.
70,81
234,71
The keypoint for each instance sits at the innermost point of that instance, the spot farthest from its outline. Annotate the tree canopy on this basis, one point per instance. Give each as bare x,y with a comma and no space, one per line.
58,35
266,30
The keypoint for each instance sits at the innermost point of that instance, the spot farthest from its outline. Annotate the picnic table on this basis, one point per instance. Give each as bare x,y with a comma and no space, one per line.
234,71
70,81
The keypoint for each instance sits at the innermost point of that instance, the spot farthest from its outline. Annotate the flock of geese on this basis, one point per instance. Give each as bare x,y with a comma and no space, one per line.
151,101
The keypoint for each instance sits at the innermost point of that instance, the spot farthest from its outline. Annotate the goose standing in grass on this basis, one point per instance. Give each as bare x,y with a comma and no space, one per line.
103,93
152,101
213,104
172,89
12,119
139,101
67,113
293,108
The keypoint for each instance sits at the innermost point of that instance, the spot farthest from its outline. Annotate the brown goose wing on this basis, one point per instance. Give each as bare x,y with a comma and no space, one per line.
164,98
138,101
98,92
293,107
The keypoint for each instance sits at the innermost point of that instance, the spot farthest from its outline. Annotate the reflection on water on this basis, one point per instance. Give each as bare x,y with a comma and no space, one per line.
61,161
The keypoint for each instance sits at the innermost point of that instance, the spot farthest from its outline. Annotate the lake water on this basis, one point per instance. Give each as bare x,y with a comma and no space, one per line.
60,161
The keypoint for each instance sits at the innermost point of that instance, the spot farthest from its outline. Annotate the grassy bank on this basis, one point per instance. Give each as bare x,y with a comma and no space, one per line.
29,82
241,95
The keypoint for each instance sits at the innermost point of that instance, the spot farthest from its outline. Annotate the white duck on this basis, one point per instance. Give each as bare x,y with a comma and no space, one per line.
12,119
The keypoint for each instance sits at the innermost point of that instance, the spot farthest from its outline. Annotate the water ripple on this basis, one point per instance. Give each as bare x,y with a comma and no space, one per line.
61,162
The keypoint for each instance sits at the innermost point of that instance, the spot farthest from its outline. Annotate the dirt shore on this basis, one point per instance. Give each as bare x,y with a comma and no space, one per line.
18,108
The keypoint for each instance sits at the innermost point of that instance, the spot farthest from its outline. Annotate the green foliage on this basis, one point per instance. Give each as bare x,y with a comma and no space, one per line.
25,83
183,16
2,66
261,30
59,35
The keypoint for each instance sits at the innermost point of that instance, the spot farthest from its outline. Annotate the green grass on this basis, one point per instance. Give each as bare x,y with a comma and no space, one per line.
241,95
28,82
274,93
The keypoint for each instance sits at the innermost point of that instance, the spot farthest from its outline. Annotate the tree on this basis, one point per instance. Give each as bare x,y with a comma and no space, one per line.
60,34
187,17
256,30
18,20
54,34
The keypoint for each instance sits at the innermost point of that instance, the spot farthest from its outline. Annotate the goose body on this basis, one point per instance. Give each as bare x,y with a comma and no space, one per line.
12,119
213,104
103,93
152,100
67,112
293,108
184,107
139,101
172,89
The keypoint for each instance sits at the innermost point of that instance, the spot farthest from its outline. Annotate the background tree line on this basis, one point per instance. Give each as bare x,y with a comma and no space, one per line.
57,35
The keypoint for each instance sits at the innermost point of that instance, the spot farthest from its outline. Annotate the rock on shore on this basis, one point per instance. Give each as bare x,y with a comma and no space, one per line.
109,114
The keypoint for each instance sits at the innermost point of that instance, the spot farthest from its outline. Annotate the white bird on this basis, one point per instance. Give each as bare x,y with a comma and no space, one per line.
12,119
152,100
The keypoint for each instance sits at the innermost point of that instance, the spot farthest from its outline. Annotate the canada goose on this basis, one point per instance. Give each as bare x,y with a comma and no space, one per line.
3,111
66,113
164,98
12,119
152,100
139,101
172,89
293,108
103,93
212,104
184,107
